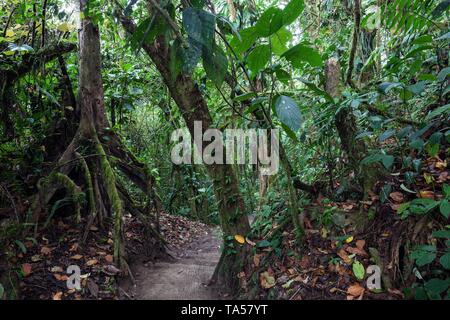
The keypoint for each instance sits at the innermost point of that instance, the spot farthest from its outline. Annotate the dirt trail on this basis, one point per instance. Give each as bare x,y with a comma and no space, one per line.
183,278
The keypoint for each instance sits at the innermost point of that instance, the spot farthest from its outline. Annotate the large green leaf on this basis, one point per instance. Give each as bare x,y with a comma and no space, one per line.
424,254
292,11
147,30
445,261
437,286
358,270
279,41
422,206
200,26
444,207
442,234
215,64
386,159
258,58
385,87
301,53
244,40
437,112
192,55
270,22
417,88
288,112
283,75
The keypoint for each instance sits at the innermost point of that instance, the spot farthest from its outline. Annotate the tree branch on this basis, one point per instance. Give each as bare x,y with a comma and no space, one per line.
356,31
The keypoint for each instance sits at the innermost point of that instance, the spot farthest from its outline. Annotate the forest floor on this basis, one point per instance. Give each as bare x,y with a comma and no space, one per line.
193,249
184,276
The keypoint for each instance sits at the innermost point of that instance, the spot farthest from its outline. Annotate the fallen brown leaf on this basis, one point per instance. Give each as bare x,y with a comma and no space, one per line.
344,256
396,196
57,296
74,247
76,257
355,290
91,262
266,280
26,268
357,251
60,277
46,251
360,244
56,269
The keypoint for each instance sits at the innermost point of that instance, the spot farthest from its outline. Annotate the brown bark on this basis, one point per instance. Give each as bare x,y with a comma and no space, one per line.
345,120
356,31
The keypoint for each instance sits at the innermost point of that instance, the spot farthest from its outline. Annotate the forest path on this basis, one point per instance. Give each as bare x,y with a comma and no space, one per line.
183,278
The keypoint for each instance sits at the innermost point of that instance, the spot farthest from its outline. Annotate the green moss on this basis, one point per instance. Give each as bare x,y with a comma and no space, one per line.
116,203
56,180
90,188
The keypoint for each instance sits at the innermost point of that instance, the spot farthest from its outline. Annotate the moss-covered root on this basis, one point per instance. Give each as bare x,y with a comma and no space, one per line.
90,194
114,198
48,186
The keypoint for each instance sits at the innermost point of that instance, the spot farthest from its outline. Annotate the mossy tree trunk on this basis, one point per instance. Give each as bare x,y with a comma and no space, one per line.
193,107
91,148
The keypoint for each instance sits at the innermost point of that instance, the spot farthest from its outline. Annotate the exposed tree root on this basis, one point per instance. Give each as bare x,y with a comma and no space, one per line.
47,188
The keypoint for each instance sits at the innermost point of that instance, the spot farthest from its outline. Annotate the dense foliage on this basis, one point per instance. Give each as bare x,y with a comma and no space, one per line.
358,88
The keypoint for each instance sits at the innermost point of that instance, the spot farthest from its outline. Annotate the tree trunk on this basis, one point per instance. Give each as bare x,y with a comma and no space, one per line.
347,129
193,107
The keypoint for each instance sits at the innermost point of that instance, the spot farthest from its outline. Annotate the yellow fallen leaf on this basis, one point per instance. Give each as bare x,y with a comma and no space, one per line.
441,165
349,239
10,33
324,233
426,194
239,238
91,262
428,178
